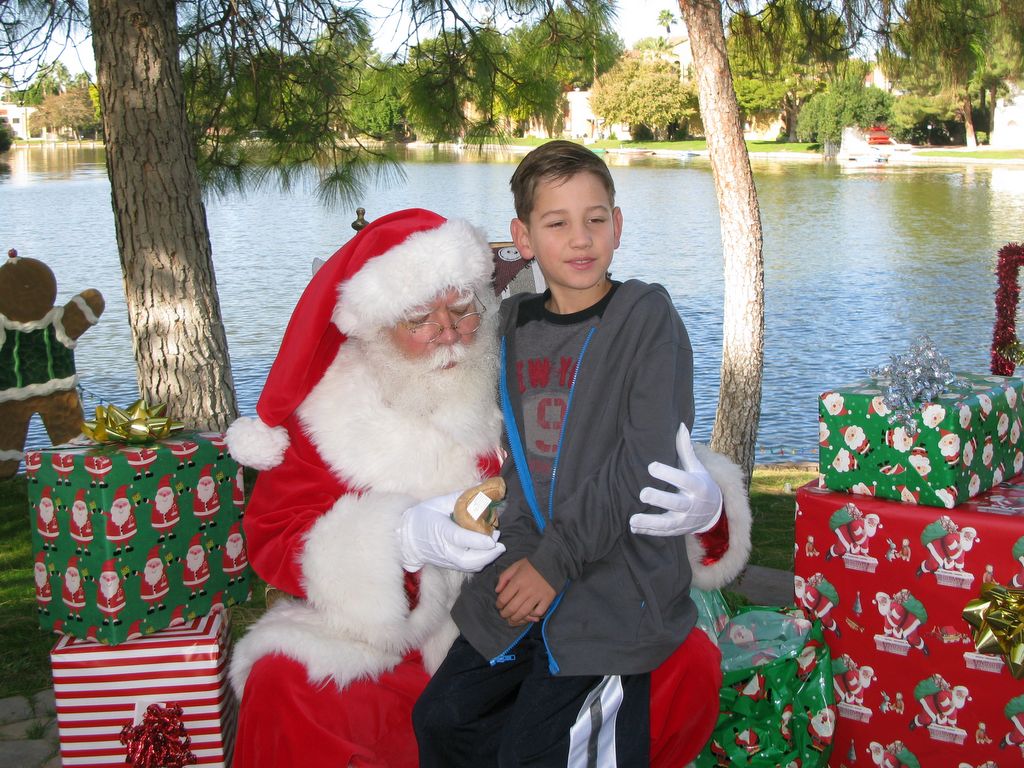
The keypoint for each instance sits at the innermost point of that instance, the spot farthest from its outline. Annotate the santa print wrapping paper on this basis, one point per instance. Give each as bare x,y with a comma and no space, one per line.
966,441
129,539
889,582
99,689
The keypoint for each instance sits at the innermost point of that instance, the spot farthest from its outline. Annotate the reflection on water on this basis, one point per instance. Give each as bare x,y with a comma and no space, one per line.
857,265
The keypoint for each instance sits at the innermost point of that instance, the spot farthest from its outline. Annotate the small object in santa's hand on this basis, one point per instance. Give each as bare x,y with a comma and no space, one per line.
477,509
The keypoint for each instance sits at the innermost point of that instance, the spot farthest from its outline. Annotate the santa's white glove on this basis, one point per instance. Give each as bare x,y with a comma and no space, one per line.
429,535
694,508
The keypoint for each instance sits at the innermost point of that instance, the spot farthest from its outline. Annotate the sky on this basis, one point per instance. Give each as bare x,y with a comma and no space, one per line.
637,19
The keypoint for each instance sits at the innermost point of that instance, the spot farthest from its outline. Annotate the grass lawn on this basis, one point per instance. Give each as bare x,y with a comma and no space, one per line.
976,154
24,653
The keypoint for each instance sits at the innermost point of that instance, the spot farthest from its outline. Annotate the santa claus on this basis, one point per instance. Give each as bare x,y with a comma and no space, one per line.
197,570
940,702
121,525
359,431
154,586
165,514
46,519
80,523
234,561
44,592
72,592
110,597
206,502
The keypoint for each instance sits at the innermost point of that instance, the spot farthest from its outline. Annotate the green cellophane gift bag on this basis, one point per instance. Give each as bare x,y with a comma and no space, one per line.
777,705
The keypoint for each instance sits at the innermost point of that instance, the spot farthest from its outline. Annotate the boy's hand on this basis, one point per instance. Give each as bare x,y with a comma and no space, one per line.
694,508
523,594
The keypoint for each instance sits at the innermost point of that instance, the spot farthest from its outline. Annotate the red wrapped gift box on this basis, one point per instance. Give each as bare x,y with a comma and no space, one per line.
100,688
889,582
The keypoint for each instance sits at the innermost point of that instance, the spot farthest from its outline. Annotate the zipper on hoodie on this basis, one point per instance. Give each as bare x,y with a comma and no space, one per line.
506,654
553,667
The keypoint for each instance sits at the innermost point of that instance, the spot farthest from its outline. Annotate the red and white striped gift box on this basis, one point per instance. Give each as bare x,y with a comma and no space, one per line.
100,688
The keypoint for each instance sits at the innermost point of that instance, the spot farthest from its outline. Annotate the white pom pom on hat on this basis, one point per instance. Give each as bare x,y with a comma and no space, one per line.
395,264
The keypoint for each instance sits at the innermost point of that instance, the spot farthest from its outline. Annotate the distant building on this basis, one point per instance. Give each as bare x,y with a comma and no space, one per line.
16,117
1008,120
582,123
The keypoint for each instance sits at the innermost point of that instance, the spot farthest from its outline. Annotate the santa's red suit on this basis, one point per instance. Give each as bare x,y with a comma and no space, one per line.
330,678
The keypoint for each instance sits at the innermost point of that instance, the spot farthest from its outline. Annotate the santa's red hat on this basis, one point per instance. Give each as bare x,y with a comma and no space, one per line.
46,492
236,528
393,265
108,566
72,563
40,557
121,493
80,495
154,554
195,541
165,482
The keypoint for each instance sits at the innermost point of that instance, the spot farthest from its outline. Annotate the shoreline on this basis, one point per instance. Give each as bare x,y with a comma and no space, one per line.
904,157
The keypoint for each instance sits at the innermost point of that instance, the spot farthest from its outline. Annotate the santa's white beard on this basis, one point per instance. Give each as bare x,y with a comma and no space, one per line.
108,586
120,511
72,581
194,561
46,512
79,513
40,575
153,573
163,501
233,546
427,386
205,489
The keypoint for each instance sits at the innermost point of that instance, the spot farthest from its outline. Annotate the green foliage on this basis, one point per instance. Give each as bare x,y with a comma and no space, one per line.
377,109
641,91
844,103
50,80
783,54
6,138
912,115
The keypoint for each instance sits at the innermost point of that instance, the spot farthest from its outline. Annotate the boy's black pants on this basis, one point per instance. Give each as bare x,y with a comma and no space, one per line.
517,714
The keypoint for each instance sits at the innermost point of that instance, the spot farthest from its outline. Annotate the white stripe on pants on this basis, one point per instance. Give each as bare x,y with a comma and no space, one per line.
592,736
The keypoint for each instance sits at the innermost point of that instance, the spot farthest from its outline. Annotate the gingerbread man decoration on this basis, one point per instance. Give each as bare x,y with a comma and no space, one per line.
37,360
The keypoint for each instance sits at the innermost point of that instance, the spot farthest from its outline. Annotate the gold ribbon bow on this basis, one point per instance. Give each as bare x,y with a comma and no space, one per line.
998,620
138,423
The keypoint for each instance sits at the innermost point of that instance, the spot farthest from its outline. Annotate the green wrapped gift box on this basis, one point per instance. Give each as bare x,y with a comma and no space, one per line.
967,441
129,539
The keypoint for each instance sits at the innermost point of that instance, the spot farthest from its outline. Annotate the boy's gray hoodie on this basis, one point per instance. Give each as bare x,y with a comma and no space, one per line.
624,602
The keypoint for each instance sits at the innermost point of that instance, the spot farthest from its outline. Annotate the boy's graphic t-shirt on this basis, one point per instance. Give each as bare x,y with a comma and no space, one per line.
548,347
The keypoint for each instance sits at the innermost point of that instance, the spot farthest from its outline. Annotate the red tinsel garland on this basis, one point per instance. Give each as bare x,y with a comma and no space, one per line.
159,741
1007,351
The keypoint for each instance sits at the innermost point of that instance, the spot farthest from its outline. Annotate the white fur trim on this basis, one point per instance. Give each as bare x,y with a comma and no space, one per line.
253,443
356,622
369,437
296,630
736,505
410,275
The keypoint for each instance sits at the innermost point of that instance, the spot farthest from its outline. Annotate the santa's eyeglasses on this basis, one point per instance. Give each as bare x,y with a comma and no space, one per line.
428,331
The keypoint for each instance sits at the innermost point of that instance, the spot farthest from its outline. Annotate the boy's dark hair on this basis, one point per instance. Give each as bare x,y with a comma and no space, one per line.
555,161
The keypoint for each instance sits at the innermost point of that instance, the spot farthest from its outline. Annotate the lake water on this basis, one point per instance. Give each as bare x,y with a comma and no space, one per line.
858,263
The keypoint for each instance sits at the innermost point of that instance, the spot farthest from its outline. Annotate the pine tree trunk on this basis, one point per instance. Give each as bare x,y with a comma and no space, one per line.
739,403
178,336
970,135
